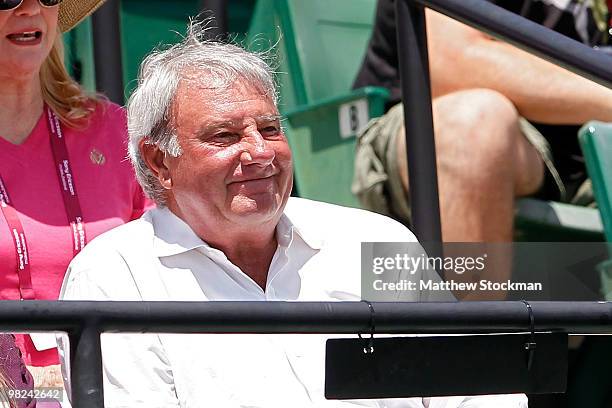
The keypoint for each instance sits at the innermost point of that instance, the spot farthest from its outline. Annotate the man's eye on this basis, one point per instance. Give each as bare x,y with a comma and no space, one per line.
269,130
225,137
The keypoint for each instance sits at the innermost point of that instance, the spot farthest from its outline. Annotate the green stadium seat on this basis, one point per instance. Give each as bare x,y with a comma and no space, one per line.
319,47
144,26
596,142
538,220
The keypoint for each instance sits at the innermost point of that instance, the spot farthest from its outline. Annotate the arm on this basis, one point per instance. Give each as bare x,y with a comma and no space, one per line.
463,58
136,372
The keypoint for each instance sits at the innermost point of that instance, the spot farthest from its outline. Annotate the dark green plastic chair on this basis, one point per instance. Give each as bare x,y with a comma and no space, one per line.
320,45
549,221
596,142
144,26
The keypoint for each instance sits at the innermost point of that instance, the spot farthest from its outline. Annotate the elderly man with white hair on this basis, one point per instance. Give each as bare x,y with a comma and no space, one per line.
207,145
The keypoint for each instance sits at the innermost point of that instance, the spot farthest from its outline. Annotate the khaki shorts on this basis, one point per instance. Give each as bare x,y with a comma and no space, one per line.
376,180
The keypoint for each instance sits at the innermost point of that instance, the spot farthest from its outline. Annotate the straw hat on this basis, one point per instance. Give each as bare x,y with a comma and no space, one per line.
72,12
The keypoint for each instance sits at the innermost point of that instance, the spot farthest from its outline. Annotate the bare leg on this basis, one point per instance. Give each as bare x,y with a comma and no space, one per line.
483,163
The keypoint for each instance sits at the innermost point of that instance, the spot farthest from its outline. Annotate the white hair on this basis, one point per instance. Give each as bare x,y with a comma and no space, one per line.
150,106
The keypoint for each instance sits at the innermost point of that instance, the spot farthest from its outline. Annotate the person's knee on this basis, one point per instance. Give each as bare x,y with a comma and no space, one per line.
475,129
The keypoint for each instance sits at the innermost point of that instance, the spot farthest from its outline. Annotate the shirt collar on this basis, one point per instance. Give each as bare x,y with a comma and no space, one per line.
285,233
173,236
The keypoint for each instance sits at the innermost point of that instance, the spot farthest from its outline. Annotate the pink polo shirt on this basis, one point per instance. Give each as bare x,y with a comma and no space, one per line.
107,191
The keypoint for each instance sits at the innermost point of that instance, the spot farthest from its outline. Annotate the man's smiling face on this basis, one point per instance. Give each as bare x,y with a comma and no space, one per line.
236,163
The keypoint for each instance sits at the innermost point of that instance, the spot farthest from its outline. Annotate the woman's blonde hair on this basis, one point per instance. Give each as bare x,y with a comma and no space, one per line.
62,93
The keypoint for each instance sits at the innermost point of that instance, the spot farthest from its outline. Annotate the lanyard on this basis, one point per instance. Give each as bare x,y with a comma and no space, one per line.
71,205
19,240
67,185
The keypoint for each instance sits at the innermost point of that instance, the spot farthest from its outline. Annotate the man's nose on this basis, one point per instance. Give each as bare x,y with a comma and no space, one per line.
257,150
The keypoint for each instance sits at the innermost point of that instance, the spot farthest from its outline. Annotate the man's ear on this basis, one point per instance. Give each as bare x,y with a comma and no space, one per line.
154,158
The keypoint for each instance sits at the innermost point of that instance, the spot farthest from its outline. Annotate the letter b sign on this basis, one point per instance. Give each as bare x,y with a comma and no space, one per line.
353,117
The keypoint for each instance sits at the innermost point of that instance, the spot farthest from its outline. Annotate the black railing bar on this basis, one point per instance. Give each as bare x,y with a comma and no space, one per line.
531,37
305,317
418,119
217,9
86,367
107,51
414,72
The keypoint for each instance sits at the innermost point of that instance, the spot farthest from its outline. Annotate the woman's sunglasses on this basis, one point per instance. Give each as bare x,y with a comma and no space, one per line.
13,4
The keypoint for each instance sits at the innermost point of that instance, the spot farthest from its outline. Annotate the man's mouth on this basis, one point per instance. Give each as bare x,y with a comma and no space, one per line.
26,37
261,178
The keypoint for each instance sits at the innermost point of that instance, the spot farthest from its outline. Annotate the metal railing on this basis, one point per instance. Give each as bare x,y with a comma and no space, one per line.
85,321
416,93
108,64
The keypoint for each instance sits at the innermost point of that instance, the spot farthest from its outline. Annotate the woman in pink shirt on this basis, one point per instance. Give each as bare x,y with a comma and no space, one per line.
64,178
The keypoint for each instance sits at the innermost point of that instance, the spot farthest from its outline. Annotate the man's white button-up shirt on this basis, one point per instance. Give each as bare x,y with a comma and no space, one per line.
159,257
